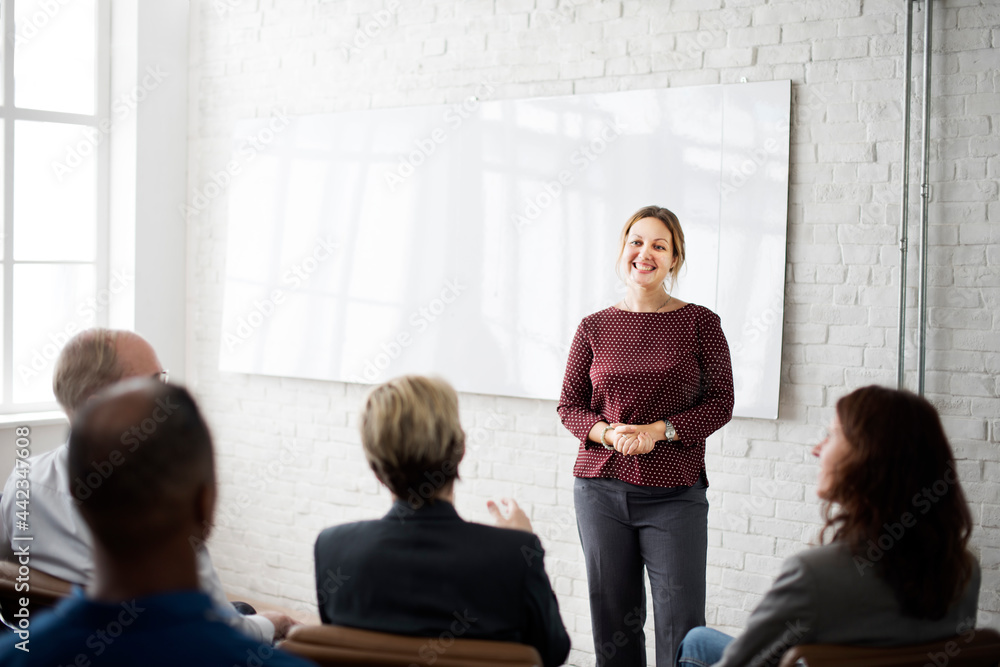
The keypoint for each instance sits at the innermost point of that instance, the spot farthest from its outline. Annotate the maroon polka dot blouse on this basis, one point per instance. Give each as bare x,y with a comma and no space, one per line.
638,368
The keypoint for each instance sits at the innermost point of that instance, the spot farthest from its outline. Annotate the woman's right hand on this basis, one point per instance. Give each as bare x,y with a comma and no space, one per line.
630,440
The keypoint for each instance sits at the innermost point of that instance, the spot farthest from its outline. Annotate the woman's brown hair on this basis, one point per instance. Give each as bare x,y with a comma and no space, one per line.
673,225
896,500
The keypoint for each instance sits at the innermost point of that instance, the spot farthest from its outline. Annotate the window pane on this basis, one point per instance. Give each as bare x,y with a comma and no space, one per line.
55,193
3,209
51,304
7,27
2,369
54,55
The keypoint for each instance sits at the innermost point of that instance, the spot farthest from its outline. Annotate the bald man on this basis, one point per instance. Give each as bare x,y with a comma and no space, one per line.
143,605
62,546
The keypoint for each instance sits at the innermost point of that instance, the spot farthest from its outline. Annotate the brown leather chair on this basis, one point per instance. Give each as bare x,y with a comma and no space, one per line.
349,647
45,591
979,648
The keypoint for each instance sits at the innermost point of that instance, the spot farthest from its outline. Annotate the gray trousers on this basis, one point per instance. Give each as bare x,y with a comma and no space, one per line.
624,527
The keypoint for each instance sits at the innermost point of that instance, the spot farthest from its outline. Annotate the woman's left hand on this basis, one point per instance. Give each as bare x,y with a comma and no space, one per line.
631,439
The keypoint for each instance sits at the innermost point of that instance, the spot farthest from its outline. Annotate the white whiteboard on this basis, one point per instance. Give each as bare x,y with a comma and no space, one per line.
469,240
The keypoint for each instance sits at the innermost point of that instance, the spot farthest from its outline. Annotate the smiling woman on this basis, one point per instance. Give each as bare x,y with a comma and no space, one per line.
647,380
649,251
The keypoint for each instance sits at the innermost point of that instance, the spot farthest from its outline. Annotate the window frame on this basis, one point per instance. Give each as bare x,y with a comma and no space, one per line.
10,114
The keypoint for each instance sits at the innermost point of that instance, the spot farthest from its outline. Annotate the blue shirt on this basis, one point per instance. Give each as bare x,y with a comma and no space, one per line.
164,630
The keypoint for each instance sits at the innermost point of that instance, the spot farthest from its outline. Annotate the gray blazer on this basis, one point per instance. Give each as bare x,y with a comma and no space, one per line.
822,597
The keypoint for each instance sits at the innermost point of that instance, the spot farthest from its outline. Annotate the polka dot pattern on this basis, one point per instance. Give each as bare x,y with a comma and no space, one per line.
638,368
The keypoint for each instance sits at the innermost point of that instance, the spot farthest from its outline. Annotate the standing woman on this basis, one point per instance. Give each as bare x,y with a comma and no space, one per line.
647,380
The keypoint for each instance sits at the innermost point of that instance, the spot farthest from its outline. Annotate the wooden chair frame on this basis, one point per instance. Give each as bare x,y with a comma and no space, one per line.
978,647
331,645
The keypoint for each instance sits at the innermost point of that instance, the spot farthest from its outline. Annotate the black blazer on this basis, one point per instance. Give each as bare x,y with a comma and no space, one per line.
428,573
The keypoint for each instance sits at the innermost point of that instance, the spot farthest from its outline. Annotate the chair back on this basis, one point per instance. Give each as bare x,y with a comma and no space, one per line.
332,645
45,590
976,648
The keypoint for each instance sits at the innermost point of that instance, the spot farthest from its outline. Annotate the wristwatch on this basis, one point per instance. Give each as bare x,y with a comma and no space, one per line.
670,432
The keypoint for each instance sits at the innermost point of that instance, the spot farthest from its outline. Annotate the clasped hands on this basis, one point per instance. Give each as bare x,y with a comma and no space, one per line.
631,439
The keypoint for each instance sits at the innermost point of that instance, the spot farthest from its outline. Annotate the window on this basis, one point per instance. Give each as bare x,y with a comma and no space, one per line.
56,120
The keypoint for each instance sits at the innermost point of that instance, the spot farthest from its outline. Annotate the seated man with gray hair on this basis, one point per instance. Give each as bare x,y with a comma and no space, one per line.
143,606
421,570
61,543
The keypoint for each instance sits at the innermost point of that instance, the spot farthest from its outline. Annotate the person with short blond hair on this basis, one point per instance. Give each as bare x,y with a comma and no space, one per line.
421,570
412,437
88,363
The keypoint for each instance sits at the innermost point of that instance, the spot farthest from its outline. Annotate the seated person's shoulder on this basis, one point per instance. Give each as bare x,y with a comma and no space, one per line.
825,557
817,569
346,533
161,630
500,543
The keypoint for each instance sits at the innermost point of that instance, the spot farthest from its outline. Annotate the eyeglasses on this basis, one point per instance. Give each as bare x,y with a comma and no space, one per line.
162,376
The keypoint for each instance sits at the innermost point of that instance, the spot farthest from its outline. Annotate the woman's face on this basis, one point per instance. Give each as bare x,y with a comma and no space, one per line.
649,253
832,452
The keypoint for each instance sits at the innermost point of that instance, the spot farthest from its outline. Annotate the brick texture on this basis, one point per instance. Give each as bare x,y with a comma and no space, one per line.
290,462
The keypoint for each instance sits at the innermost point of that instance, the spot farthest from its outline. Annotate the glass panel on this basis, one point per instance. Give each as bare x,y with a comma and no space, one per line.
52,302
2,369
3,226
55,193
4,23
54,55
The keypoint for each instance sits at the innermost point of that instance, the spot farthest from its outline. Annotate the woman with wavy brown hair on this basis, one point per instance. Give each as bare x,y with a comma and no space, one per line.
893,567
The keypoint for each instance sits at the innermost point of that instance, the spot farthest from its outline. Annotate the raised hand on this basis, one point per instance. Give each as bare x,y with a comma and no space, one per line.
515,518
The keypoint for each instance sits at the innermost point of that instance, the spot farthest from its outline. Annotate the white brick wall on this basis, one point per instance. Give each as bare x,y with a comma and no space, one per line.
289,458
